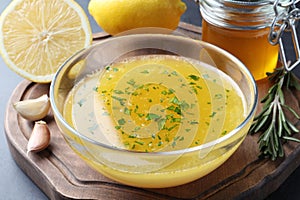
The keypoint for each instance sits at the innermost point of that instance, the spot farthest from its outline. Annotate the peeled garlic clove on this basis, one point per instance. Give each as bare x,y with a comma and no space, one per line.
33,109
39,138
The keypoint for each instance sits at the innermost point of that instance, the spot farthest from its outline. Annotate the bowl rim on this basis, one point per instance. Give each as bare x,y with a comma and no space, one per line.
210,144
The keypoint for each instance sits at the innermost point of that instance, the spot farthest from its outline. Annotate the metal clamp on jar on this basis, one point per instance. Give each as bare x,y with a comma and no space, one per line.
252,31
286,20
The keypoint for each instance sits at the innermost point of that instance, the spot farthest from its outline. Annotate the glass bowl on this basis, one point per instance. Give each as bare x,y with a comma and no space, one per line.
158,169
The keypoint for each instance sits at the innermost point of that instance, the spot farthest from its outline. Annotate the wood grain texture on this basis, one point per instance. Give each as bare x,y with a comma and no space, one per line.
61,174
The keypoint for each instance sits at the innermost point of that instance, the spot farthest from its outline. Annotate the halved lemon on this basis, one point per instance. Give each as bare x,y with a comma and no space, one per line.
37,36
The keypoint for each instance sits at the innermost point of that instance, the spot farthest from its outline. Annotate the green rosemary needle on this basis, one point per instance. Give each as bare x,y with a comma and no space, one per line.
271,122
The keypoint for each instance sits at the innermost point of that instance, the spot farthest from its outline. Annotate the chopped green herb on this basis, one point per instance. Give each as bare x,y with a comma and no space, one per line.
173,144
165,72
167,139
171,108
127,111
159,143
212,114
176,138
136,108
80,103
169,116
175,100
224,132
121,121
171,91
139,142
174,73
151,116
95,89
220,108
145,71
161,123
172,127
131,82
127,144
145,87
93,128
184,105
137,128
115,69
135,93
118,92
132,136
194,90
175,120
194,77
178,110
190,113
121,100
164,92
218,96
174,141
205,76
140,114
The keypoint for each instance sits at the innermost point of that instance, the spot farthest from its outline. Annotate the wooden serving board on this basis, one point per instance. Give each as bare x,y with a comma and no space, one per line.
61,174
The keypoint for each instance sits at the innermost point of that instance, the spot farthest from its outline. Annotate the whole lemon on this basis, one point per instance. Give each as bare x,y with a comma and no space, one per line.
116,16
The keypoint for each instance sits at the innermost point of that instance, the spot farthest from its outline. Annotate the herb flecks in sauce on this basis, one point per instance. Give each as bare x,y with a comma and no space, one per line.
162,103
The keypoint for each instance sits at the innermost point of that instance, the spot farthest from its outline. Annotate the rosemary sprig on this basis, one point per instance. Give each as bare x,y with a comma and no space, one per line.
271,122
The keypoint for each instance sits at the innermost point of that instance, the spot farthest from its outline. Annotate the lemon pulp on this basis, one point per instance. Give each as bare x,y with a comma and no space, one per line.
36,37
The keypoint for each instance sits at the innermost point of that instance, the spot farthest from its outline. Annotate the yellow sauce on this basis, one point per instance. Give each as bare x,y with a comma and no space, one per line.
156,104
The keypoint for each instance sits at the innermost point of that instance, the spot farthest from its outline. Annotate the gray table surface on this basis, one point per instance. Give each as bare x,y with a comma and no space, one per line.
14,184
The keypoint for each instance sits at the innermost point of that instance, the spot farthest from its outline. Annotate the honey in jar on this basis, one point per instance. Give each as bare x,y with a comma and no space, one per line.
242,28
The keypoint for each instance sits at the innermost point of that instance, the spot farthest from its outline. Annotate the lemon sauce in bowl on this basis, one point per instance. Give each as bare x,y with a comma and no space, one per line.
155,103
153,110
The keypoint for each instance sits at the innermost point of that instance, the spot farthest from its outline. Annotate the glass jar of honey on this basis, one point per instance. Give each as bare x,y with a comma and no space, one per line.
242,28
